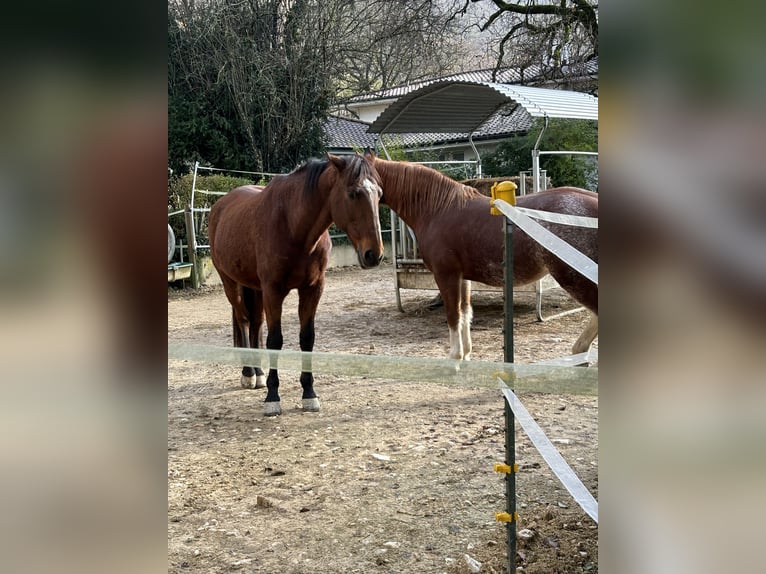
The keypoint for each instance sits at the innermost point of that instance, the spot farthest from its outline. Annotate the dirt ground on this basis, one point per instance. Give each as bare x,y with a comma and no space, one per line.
391,477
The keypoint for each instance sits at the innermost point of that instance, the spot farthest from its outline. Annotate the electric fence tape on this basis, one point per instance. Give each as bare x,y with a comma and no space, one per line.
574,220
560,248
469,374
552,456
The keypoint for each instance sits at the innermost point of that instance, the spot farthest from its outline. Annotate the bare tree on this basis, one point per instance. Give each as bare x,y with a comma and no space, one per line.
392,42
557,37
266,72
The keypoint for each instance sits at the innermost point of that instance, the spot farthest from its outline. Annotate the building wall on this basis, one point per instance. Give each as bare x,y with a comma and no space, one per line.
369,112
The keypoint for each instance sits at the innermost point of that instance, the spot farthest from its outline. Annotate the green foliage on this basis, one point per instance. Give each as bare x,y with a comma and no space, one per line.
179,195
202,122
179,188
515,154
244,91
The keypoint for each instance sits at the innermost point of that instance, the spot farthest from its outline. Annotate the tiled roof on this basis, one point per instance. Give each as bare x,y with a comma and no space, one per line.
343,133
504,76
346,133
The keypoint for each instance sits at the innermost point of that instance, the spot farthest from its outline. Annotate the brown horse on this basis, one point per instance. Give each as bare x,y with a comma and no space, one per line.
460,241
267,241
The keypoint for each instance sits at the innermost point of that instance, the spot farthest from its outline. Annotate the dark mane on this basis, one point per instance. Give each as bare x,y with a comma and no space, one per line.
313,169
356,169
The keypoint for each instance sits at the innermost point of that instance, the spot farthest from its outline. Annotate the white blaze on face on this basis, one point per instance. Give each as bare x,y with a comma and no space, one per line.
375,191
372,188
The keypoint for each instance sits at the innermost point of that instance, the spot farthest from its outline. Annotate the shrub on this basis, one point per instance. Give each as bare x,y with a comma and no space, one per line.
179,197
515,154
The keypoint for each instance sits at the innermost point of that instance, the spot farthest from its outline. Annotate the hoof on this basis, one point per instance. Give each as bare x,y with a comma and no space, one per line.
311,405
272,409
254,382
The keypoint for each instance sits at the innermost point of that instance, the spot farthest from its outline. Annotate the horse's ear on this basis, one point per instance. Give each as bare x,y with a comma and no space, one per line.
337,161
368,153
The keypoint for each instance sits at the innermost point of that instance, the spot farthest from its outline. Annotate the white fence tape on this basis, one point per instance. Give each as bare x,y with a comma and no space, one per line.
551,456
560,248
472,374
574,220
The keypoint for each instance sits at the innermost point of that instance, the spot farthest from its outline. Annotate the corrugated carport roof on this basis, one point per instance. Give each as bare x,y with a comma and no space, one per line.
462,107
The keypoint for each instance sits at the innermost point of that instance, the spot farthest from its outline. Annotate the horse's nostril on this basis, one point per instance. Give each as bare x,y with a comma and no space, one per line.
371,259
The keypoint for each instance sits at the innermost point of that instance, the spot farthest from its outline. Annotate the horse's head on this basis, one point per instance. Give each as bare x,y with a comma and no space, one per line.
354,203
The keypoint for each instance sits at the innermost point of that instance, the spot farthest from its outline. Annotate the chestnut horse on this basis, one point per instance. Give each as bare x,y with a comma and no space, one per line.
267,241
460,241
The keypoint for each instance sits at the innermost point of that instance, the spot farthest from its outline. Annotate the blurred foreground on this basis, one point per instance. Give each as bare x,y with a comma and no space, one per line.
83,174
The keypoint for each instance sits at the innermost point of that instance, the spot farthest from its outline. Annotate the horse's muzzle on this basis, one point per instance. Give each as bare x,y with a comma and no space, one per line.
370,259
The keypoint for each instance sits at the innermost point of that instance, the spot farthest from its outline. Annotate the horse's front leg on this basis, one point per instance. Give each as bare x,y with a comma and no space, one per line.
450,292
308,300
272,302
466,316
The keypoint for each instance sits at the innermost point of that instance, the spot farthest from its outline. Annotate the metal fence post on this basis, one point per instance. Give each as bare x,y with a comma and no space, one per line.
510,430
191,244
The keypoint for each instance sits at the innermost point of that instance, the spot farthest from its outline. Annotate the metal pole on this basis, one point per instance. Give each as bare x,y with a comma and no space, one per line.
535,170
510,430
536,159
478,157
508,276
194,184
510,485
395,247
191,241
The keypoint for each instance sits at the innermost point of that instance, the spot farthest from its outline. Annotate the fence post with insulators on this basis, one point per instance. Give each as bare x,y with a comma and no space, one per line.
506,190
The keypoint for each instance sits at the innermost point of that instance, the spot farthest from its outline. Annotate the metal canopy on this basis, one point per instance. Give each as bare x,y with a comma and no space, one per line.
462,107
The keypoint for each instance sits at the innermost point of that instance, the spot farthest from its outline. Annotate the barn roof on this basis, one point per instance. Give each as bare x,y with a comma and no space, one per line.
462,107
345,133
506,75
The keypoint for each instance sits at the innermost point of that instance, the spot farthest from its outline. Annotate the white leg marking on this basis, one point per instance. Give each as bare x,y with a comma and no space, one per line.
260,381
587,337
247,382
456,346
465,327
272,409
311,405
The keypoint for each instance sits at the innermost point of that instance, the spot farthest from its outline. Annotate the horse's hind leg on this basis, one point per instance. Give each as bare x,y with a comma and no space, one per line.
308,300
587,337
253,377
240,323
466,316
582,291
